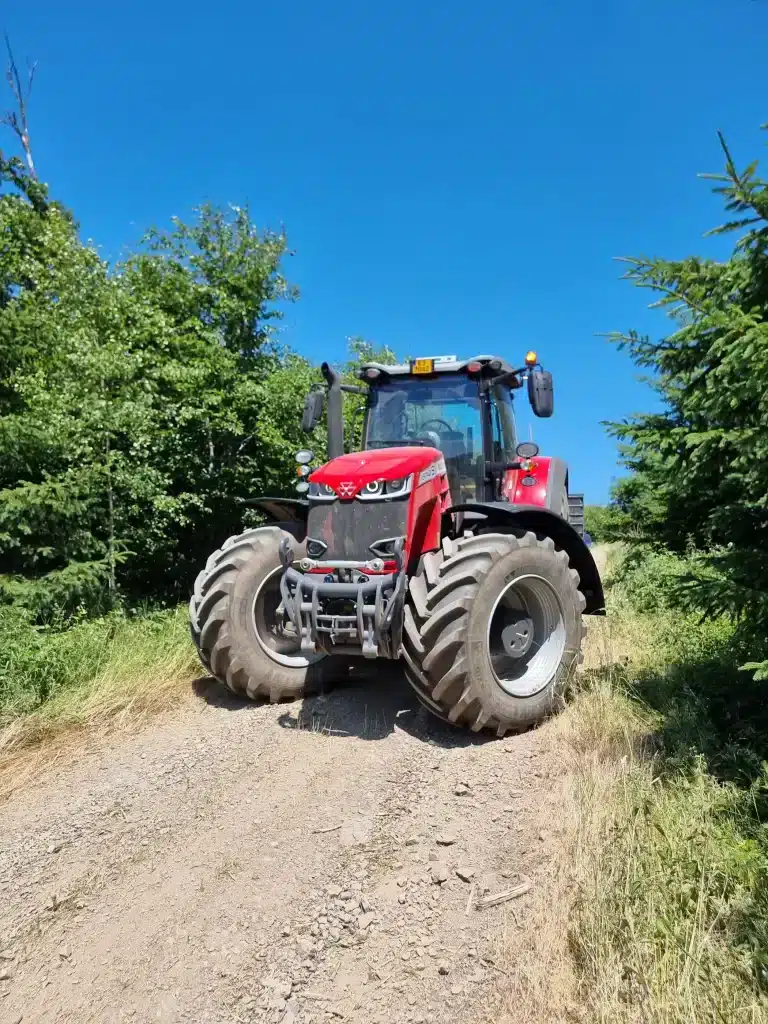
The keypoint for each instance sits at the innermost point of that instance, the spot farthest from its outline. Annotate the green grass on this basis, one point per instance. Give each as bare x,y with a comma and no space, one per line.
103,673
668,858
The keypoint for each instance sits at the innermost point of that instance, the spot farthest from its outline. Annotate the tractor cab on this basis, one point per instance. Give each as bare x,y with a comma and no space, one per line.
462,408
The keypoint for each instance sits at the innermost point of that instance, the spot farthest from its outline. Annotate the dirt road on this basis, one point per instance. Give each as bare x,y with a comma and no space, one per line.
237,863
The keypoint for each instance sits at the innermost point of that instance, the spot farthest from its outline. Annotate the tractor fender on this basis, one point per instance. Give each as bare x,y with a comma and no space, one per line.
542,521
290,514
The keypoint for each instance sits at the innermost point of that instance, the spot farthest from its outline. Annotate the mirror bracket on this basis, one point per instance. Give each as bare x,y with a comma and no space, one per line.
511,379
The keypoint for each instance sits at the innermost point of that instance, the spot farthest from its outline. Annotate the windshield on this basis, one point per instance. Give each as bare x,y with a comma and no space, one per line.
442,412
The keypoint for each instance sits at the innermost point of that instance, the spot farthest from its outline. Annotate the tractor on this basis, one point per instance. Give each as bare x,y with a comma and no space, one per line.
443,543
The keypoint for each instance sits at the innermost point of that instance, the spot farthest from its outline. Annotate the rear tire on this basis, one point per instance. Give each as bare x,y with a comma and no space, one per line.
239,639
493,630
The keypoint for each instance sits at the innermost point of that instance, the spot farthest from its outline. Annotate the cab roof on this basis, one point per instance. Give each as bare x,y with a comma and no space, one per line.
442,364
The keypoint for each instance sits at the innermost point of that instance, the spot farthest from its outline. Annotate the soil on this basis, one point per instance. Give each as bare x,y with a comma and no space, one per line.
290,863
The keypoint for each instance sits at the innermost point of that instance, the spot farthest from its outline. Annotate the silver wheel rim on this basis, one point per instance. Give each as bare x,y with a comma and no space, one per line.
526,636
280,643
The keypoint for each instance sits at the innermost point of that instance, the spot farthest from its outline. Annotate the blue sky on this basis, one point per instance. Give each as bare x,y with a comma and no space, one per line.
454,178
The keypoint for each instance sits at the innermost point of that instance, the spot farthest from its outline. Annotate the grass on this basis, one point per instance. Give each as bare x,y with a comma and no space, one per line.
661,908
104,674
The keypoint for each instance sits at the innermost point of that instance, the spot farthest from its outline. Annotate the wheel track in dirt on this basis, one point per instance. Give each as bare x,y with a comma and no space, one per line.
183,874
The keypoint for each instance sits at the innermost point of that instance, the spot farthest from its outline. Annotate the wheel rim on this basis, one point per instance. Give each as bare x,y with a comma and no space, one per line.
275,633
526,636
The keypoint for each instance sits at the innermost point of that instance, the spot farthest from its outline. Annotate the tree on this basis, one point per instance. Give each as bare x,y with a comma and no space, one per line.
699,469
17,119
140,403
604,523
137,403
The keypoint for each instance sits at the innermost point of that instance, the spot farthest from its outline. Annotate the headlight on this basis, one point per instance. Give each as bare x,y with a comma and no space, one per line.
400,486
323,491
386,488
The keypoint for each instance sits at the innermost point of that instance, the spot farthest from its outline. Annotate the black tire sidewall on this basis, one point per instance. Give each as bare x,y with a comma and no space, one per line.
522,561
281,680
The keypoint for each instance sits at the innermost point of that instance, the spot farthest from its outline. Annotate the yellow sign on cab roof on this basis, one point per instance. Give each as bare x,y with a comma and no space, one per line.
422,365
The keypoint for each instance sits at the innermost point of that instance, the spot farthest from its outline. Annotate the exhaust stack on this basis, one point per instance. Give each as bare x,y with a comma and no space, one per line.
335,411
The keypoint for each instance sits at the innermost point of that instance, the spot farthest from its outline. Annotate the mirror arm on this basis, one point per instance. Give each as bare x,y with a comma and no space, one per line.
511,377
503,467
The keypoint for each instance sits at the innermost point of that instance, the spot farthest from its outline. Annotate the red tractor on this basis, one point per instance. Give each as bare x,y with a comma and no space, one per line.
443,543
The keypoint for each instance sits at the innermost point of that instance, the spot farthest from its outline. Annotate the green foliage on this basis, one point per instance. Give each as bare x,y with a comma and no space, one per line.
137,403
219,274
39,665
649,579
699,469
604,523
711,707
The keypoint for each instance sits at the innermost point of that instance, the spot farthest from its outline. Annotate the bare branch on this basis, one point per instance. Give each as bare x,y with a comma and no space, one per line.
17,120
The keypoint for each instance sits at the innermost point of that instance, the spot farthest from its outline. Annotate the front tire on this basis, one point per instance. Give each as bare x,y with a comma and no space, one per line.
239,637
493,630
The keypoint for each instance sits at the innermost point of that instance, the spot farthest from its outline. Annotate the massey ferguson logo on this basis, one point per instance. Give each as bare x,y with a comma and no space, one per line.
346,490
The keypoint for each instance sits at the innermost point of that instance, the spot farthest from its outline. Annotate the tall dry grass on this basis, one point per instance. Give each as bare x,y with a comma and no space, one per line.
657,909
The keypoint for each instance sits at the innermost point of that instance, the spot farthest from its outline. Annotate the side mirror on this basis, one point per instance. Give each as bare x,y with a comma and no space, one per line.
313,410
540,393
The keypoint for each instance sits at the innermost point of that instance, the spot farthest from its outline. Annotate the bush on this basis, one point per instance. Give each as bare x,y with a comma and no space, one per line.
649,580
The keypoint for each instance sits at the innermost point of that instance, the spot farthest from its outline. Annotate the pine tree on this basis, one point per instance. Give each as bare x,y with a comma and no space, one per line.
699,479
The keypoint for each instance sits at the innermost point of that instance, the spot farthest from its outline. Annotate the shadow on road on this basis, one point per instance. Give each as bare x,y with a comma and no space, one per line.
217,695
374,702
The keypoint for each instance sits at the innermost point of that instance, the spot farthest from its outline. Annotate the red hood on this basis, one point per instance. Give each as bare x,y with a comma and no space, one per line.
360,468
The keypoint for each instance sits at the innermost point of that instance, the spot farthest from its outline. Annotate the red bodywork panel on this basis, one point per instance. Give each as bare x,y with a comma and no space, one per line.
429,497
353,471
425,515
348,474
517,493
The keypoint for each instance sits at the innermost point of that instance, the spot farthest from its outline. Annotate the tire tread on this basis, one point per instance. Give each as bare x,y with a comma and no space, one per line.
435,631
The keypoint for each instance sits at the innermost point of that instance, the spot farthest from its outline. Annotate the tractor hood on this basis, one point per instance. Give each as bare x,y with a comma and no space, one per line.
348,474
